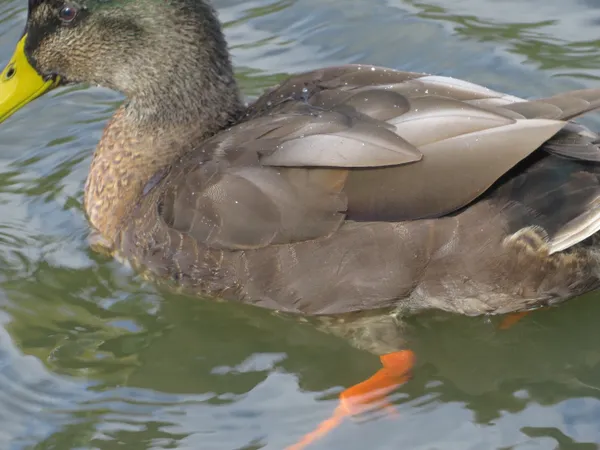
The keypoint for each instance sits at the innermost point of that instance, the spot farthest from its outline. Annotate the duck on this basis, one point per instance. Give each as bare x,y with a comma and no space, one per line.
358,194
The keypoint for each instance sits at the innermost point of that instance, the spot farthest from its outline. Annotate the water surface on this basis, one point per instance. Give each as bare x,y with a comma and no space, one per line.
91,357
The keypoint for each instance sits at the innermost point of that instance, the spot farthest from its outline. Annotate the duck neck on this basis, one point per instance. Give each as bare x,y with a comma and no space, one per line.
197,90
180,73
140,140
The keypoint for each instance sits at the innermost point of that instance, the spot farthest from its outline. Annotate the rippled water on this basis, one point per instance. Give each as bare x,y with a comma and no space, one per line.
91,357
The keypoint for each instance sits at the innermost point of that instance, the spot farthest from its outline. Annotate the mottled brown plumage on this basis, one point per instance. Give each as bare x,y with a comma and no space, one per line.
346,189
309,205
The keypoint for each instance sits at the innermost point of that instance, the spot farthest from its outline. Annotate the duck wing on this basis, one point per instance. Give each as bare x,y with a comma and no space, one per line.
359,143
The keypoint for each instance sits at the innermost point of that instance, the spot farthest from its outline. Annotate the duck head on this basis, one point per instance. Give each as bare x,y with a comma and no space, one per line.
156,52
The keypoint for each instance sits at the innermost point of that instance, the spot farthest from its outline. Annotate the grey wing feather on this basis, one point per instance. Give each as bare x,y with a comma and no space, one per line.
371,144
250,207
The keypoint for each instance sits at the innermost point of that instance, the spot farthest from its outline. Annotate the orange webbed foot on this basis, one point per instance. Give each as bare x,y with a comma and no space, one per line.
511,319
366,395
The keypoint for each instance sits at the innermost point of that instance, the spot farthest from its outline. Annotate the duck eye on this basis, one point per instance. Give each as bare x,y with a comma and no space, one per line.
67,14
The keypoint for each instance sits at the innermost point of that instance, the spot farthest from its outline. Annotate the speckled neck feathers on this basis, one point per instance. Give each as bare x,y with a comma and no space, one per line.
180,89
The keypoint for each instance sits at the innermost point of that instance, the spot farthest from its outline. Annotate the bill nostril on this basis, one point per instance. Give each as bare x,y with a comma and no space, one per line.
10,72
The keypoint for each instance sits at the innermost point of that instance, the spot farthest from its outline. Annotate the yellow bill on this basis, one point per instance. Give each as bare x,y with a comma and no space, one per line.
20,83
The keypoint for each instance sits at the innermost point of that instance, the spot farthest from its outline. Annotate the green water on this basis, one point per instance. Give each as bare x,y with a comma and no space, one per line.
91,357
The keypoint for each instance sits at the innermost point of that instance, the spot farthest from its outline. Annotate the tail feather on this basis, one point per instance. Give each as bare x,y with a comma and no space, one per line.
558,194
566,106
